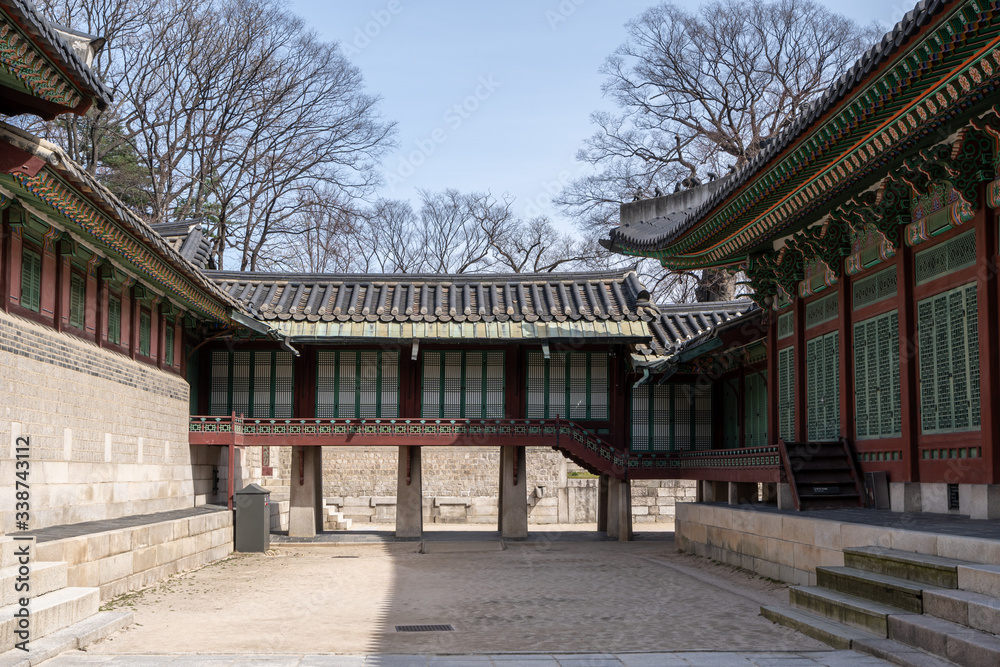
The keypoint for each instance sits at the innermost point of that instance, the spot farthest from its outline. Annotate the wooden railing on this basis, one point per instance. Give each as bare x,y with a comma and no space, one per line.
749,464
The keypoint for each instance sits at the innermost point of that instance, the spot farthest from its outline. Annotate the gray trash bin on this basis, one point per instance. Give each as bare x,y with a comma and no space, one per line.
253,519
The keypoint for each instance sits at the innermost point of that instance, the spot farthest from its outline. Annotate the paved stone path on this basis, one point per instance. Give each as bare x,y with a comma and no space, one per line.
546,597
693,659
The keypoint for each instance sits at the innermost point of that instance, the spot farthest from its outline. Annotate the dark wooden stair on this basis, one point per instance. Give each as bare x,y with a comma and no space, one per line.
822,475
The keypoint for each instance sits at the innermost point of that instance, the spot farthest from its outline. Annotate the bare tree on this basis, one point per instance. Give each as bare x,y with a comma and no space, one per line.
700,94
231,110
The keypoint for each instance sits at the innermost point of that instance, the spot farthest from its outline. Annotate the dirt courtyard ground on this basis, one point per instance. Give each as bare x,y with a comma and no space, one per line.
553,595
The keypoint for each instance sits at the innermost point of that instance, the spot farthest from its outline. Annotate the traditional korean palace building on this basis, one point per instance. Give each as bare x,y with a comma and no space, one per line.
868,233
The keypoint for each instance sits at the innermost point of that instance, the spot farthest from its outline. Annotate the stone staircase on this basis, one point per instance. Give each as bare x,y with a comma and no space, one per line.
823,475
62,617
335,520
905,607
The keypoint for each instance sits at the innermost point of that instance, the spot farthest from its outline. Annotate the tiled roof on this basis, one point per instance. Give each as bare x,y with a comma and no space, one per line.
683,325
548,305
672,216
188,239
48,39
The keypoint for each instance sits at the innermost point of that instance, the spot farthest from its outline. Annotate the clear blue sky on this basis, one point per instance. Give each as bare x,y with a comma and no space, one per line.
493,95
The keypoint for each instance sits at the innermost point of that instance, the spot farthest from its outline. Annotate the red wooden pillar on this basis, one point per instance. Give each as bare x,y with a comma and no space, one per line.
989,356
409,382
772,377
154,329
741,407
64,274
92,300
50,275
126,317
15,239
799,370
180,352
845,334
618,400
908,377
513,396
304,374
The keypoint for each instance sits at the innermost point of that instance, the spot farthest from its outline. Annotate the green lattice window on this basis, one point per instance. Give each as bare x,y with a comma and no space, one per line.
671,417
730,414
145,325
463,384
786,394
944,258
876,377
77,300
755,410
168,344
357,383
823,387
786,325
821,310
31,279
948,339
568,384
114,320
874,288
254,383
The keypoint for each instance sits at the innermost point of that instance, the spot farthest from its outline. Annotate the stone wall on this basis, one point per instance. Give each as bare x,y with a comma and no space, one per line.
108,435
460,486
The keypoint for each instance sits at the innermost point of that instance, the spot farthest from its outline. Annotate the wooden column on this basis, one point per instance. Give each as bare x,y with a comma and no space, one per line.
618,400
799,371
845,334
126,318
64,274
12,293
741,407
155,329
92,301
989,355
513,395
909,390
50,271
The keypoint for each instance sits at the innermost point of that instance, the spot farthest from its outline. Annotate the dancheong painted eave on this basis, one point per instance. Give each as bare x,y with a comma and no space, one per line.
45,69
63,194
938,67
566,306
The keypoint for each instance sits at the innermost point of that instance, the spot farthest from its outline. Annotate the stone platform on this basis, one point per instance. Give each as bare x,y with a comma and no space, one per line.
788,546
132,552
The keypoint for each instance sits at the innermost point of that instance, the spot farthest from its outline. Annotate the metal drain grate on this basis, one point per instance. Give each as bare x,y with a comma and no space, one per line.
425,628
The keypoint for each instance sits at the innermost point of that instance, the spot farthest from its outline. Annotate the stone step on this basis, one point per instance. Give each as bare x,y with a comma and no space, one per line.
843,608
983,579
11,548
835,634
975,610
931,570
899,654
958,643
77,636
49,613
43,578
893,591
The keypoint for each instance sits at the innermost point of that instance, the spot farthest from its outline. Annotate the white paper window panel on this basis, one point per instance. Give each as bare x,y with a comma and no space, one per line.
241,383
283,385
